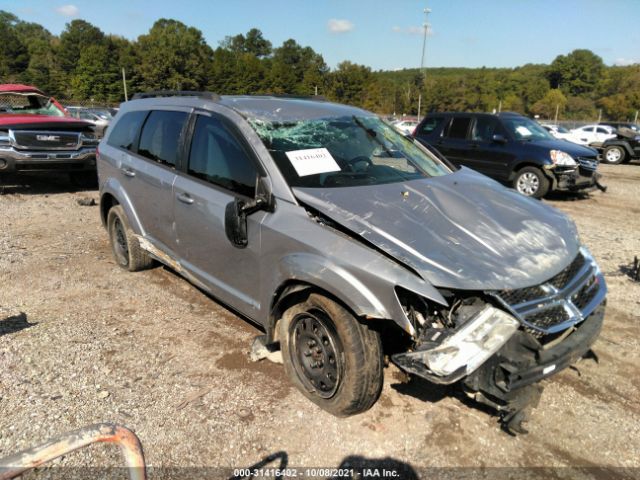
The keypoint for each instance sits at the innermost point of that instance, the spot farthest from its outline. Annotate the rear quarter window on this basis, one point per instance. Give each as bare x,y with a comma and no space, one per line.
126,130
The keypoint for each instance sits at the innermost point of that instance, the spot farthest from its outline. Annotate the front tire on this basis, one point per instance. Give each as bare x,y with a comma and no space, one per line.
531,182
331,357
613,155
125,245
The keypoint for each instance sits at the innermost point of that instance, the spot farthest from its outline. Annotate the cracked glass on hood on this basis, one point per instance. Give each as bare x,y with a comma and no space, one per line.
344,152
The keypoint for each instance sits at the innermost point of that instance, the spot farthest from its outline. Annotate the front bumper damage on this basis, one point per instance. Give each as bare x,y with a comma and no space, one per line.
521,337
582,177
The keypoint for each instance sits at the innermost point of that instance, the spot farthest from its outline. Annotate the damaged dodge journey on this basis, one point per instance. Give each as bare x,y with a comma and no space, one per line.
351,244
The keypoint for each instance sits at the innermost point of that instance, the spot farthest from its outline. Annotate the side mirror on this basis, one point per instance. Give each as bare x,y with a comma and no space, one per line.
498,138
237,211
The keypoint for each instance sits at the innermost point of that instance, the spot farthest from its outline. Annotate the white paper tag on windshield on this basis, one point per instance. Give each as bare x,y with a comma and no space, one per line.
524,131
312,161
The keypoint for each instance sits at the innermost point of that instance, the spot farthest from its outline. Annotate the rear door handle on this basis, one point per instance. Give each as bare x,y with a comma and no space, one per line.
185,198
128,172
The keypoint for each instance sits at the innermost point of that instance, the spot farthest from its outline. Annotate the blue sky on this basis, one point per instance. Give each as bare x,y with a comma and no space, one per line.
377,33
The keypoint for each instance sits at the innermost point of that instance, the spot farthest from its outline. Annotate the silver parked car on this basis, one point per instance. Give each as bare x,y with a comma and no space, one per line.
347,242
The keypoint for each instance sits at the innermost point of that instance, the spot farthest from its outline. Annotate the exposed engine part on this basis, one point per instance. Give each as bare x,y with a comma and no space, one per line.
508,380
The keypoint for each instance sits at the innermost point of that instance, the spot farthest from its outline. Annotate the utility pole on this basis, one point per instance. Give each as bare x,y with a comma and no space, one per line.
555,122
425,26
124,84
635,120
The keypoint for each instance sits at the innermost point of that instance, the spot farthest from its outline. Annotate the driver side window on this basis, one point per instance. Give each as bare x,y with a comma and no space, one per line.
218,157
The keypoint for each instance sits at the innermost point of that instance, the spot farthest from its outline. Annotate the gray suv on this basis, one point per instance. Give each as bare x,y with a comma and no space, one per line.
350,243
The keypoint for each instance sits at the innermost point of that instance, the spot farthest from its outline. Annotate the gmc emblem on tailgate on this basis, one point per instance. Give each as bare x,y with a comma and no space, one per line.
48,138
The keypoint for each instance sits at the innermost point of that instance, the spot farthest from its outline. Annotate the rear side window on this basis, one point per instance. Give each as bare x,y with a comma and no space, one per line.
126,130
160,138
430,124
459,127
218,157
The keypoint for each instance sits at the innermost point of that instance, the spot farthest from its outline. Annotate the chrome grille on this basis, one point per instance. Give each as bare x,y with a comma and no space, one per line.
44,140
562,279
564,300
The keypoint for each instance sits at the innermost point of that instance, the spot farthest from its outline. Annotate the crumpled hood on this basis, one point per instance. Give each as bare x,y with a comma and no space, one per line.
462,231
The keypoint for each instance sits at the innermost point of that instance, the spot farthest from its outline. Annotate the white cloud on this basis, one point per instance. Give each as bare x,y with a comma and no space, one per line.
412,30
340,26
625,62
68,10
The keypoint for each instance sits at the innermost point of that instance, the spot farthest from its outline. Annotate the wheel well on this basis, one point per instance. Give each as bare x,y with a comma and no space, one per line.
520,166
107,201
293,292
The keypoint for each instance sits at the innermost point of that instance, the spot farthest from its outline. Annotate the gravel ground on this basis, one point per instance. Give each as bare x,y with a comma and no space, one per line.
82,341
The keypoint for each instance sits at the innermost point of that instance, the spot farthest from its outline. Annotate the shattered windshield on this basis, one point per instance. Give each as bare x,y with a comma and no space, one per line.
345,152
20,104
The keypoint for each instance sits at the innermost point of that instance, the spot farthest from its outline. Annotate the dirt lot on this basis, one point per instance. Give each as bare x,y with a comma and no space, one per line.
82,341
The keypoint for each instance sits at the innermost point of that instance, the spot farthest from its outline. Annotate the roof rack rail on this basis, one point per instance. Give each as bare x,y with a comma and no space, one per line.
176,93
319,98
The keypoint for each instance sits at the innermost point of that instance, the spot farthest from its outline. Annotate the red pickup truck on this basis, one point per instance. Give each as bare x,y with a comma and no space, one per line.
37,134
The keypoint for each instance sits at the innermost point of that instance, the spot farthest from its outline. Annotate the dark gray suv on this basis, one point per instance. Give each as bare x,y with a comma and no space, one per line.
347,242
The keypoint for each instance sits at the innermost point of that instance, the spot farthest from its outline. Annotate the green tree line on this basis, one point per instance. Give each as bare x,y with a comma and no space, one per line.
84,63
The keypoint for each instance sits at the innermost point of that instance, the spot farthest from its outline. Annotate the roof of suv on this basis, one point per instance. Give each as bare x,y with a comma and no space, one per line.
263,107
460,114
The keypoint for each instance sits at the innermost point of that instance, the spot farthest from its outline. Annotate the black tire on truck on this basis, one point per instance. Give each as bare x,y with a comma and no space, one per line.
125,245
614,154
332,358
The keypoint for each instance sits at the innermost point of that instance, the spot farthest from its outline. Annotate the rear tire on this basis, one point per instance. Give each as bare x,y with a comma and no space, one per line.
332,358
614,155
125,245
531,182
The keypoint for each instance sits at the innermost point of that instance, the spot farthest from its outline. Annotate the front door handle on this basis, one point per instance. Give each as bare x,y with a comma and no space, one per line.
185,198
129,172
